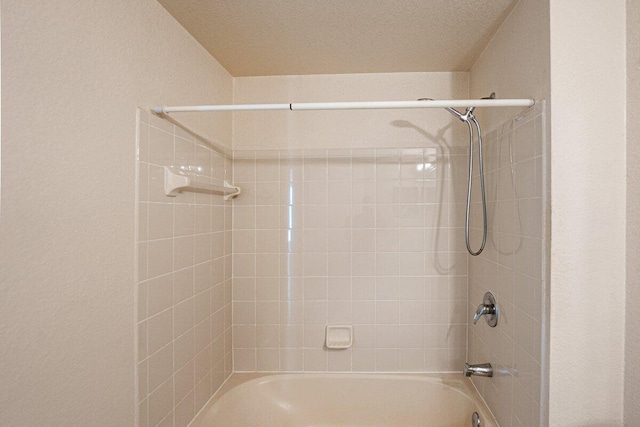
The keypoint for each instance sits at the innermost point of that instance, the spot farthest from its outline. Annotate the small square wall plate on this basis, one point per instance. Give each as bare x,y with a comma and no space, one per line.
339,336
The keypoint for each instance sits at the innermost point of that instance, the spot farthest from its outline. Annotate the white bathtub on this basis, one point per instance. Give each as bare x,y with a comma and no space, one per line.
372,400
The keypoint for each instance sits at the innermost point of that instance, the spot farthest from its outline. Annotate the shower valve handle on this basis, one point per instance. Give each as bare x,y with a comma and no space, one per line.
483,310
489,309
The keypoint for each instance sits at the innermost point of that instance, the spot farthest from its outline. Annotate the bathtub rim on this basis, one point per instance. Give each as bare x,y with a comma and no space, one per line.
453,381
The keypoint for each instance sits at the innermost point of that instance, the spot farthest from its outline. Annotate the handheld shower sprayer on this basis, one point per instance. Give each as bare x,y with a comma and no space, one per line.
469,118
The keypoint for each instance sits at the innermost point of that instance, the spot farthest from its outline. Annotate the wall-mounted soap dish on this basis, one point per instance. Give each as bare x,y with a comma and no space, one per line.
339,336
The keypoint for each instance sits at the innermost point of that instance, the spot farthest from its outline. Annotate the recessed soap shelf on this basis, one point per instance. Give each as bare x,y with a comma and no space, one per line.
339,336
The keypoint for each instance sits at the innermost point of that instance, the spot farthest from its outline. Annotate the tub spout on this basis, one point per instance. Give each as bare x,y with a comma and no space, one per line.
479,370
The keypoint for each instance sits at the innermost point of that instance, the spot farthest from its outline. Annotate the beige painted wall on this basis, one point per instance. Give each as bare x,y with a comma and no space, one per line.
73,74
588,212
632,350
346,129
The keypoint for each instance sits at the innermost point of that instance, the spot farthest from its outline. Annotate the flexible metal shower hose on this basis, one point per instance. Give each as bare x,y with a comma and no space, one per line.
470,187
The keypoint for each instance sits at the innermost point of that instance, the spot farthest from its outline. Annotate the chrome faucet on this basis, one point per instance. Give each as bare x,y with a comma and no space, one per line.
480,370
489,309
483,310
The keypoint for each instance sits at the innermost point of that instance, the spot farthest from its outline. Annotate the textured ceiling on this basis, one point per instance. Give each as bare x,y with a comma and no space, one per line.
278,37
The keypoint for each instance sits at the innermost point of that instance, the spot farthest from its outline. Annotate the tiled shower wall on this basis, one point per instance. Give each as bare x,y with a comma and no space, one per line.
512,268
369,238
183,285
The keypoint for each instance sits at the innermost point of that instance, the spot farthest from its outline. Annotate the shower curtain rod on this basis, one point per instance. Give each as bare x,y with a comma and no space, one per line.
373,105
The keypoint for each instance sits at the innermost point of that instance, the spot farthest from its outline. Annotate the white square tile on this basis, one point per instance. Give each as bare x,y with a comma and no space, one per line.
387,312
339,288
160,257
315,168
339,312
292,359
387,360
363,288
267,169
159,294
291,169
268,359
339,360
268,336
339,168
315,360
363,359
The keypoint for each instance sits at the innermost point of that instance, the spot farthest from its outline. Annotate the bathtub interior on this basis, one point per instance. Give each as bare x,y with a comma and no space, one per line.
288,400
